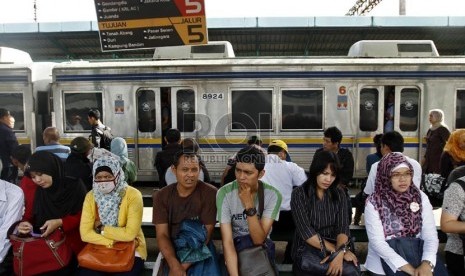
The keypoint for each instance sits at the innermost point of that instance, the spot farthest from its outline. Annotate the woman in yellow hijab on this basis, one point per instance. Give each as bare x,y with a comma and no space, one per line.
454,152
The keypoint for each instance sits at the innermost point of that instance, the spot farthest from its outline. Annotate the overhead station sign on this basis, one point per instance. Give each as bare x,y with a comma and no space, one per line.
139,24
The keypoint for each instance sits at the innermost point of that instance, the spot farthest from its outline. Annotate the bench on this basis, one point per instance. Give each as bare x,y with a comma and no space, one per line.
148,202
356,231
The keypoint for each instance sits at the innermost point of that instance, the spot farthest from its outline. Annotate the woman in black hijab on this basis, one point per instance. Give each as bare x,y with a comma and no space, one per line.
57,202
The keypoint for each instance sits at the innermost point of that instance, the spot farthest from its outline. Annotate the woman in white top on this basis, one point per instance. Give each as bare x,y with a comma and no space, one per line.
398,209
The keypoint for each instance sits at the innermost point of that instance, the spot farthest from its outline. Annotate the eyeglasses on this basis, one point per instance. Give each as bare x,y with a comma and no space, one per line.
398,176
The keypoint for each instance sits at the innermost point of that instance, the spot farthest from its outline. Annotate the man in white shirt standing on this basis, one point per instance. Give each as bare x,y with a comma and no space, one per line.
284,176
392,142
11,210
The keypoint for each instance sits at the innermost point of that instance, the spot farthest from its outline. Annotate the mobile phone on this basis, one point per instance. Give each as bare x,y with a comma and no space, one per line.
36,235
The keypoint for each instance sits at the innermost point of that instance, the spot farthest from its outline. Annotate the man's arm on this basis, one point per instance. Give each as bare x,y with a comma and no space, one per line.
210,228
259,229
93,136
370,184
230,255
13,212
347,171
167,249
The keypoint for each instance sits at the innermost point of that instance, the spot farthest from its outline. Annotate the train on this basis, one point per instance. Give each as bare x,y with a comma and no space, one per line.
221,100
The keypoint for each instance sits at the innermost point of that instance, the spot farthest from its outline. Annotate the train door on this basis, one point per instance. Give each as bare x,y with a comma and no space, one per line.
148,141
387,108
406,119
183,110
370,122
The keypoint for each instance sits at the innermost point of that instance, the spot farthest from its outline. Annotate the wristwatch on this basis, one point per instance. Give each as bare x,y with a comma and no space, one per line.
98,229
430,264
250,212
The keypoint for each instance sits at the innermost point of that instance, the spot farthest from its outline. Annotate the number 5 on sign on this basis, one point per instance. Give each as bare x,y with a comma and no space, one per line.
191,26
194,6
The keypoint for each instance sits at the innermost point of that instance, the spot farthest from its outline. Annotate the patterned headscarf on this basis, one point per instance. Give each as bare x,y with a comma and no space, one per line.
453,145
108,204
400,213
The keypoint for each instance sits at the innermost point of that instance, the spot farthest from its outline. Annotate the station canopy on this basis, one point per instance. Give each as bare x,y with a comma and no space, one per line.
260,36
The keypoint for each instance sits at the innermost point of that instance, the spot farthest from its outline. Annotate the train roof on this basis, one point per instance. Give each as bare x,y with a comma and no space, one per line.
459,60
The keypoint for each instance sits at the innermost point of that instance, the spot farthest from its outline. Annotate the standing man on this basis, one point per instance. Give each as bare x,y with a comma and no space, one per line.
8,142
101,134
238,206
51,138
165,158
284,176
188,201
332,142
11,210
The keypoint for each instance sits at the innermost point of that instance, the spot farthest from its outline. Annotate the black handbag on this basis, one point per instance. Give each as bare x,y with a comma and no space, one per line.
411,249
308,260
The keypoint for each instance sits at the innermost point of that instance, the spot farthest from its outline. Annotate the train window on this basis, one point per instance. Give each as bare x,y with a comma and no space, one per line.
460,109
146,110
185,110
77,105
302,109
251,109
408,120
368,109
13,102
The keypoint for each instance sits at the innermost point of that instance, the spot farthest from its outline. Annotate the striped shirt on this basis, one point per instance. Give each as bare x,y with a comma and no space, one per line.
59,150
326,217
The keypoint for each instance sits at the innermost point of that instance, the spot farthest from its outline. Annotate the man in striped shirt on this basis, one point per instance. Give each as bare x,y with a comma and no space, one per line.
51,138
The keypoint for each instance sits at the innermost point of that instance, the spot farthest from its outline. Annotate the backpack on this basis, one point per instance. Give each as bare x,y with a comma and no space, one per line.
434,185
130,171
105,138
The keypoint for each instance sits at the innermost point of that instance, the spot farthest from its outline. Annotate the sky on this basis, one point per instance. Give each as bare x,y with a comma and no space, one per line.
22,11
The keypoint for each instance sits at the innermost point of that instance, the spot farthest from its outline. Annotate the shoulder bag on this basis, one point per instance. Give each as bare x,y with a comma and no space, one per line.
37,255
118,258
308,260
411,249
255,260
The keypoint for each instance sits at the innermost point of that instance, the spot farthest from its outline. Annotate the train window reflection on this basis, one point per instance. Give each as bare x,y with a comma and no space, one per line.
146,110
460,109
302,109
409,100
368,109
251,109
185,108
77,105
13,102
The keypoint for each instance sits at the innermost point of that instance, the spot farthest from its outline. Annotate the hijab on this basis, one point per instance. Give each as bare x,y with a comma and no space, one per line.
120,148
399,214
453,145
64,197
439,115
108,204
